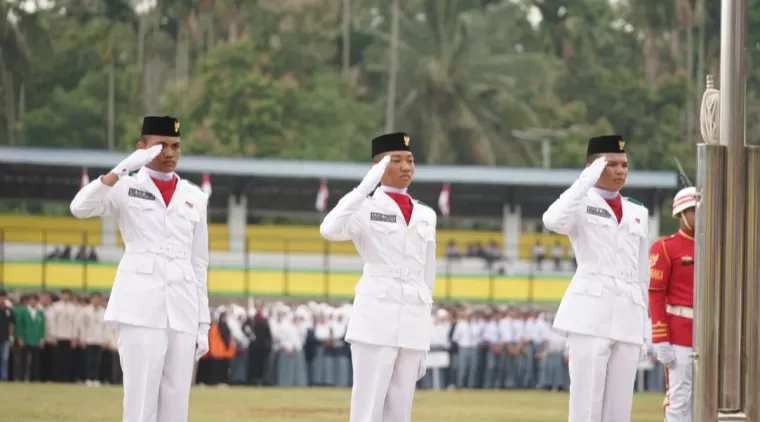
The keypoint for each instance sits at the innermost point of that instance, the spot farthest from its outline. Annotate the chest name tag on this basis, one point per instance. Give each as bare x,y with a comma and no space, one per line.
599,212
135,193
385,218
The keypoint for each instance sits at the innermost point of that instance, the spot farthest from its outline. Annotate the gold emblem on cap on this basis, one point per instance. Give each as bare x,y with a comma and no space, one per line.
406,140
176,126
621,144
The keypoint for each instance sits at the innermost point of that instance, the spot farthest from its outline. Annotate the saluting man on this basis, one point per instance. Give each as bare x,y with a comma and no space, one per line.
159,299
671,304
391,323
604,310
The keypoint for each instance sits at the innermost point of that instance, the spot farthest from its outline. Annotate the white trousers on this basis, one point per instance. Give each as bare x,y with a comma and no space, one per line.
384,382
602,376
678,381
158,373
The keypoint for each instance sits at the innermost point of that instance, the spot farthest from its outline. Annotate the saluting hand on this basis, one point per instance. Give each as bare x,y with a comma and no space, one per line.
136,160
591,174
373,176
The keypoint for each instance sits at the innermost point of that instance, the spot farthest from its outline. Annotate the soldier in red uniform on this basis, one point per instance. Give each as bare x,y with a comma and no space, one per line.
671,297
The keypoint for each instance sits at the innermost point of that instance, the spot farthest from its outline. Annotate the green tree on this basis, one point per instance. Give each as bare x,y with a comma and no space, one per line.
465,81
21,31
256,113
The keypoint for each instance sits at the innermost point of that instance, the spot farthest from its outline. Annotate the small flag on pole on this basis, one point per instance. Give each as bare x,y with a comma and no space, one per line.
322,196
85,179
443,200
206,184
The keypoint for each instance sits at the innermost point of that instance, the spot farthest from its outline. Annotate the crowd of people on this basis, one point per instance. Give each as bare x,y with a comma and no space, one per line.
62,338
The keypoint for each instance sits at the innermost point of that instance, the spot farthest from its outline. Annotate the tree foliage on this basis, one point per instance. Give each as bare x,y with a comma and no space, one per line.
266,78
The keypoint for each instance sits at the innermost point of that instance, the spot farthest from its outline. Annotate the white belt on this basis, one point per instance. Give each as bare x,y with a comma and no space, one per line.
680,311
379,270
168,250
627,275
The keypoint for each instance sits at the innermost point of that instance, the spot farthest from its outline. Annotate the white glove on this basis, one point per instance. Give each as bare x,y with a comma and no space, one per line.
373,176
644,352
201,342
591,174
422,370
136,160
665,354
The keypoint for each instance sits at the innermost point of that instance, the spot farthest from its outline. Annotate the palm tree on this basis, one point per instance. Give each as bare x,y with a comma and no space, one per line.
17,28
651,18
461,77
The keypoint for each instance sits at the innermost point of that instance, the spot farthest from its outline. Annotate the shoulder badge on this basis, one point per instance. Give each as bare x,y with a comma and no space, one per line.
633,201
422,203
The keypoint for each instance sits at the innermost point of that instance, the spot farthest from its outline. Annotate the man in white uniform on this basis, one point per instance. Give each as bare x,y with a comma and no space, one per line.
604,310
159,300
390,324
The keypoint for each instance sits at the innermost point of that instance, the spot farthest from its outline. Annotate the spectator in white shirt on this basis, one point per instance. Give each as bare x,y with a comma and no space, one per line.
513,343
491,340
467,340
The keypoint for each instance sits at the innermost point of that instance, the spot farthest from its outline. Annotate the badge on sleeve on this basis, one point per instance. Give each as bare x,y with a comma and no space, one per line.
599,212
653,258
385,218
141,194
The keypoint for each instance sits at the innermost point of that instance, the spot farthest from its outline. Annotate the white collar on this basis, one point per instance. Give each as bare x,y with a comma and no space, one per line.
605,193
385,188
159,175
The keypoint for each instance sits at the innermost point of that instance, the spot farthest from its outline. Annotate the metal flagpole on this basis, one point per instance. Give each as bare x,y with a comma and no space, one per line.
727,271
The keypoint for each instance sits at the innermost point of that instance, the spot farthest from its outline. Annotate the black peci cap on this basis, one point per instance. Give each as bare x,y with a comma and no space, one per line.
608,144
160,126
398,141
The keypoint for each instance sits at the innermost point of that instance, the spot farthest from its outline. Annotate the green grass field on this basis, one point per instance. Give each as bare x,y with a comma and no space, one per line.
55,403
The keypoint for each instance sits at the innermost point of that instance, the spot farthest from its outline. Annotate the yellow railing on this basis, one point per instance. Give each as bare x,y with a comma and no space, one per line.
272,267
71,231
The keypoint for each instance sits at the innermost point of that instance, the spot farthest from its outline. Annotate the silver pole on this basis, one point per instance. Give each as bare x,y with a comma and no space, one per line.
732,100
111,139
346,28
752,292
390,107
546,152
707,276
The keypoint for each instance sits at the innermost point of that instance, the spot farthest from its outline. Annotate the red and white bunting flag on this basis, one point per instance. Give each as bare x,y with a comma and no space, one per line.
206,184
443,200
85,179
322,196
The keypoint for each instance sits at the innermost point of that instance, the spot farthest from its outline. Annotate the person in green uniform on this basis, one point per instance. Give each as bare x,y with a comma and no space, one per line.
30,335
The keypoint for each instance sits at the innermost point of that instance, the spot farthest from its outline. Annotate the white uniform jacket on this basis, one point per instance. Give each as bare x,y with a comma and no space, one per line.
607,296
394,296
161,278
92,328
64,320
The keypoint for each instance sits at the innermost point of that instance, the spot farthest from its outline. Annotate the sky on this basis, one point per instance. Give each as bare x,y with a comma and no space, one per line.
141,6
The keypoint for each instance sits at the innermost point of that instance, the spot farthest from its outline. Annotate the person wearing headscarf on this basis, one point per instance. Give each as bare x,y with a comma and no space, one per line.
259,333
222,350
